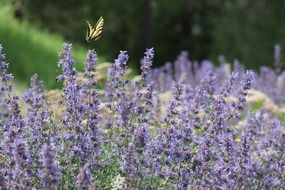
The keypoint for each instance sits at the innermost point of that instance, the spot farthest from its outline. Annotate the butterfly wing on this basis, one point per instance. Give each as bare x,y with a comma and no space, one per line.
89,32
97,30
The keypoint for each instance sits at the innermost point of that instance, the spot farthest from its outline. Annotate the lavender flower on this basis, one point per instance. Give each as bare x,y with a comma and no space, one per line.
6,87
66,63
212,135
129,163
277,55
13,123
183,68
37,113
246,85
174,104
71,89
84,178
90,61
116,72
222,59
146,63
22,171
92,102
237,66
5,76
74,110
141,138
49,174
115,84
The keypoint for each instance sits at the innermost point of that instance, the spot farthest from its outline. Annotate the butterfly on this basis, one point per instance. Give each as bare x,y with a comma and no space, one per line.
94,33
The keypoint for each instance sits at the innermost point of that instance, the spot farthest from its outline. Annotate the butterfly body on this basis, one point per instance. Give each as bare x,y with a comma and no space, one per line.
94,33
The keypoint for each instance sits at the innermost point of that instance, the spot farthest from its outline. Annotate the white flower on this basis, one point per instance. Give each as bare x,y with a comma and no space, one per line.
119,183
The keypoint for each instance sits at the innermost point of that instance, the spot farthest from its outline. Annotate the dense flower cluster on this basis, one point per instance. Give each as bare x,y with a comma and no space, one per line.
186,125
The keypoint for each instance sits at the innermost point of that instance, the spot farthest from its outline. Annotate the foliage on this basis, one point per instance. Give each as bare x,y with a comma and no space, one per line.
257,106
181,126
248,30
245,29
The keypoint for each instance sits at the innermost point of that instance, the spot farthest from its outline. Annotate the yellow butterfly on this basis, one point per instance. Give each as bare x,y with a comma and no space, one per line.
94,33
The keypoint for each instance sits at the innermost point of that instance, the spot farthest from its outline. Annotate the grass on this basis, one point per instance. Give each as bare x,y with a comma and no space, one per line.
30,50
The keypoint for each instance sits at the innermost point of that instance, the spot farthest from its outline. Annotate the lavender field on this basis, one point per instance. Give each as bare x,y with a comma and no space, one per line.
185,125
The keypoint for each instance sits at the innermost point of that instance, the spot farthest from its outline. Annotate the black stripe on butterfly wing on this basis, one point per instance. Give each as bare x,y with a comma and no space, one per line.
98,36
97,30
100,22
96,33
89,30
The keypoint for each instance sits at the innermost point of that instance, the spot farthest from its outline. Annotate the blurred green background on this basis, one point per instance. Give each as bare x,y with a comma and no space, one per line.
32,31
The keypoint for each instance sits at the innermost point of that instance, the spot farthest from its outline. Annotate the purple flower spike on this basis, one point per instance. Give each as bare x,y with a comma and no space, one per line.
277,55
84,178
146,63
22,171
50,173
91,61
